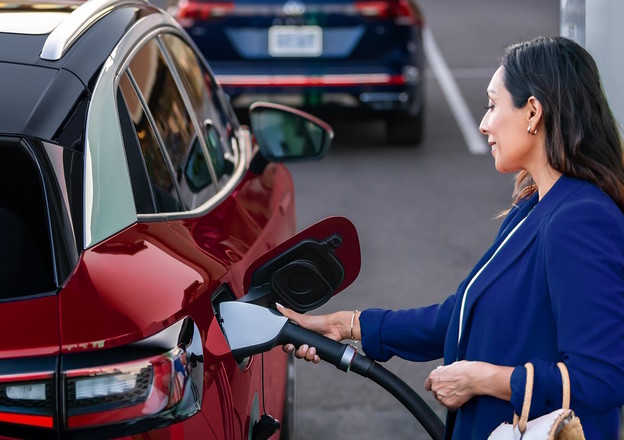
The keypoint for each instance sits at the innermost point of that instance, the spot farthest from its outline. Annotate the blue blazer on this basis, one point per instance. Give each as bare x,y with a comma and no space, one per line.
554,292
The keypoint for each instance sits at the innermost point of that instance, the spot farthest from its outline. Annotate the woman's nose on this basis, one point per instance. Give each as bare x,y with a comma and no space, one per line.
482,126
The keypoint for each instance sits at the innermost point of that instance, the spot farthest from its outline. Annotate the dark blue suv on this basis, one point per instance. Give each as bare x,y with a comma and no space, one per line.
345,58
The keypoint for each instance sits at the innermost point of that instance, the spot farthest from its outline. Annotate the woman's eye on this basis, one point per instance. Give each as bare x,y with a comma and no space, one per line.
489,107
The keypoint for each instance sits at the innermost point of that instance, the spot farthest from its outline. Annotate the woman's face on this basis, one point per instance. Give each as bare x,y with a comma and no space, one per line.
513,148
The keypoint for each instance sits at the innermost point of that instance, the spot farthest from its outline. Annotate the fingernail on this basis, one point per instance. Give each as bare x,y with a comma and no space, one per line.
278,305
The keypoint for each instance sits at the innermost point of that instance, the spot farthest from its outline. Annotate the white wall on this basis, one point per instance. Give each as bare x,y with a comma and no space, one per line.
605,41
599,26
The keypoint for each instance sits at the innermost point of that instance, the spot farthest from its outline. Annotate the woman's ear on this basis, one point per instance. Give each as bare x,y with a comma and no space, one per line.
534,112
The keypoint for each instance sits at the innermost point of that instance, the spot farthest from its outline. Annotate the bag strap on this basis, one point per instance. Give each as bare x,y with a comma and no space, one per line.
522,420
565,379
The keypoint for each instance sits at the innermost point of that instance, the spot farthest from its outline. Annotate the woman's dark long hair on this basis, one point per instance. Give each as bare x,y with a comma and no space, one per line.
582,137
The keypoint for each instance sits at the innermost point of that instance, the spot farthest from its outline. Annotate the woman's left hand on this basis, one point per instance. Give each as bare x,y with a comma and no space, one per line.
452,385
455,384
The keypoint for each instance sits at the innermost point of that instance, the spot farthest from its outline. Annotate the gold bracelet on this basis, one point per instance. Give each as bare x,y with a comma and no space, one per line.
352,321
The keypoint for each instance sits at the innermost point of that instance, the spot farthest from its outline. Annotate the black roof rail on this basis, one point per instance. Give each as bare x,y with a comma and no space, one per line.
81,19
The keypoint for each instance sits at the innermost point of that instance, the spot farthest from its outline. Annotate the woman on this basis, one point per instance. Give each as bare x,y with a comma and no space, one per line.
551,287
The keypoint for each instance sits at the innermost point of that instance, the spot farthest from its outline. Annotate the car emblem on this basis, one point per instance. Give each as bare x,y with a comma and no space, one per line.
293,8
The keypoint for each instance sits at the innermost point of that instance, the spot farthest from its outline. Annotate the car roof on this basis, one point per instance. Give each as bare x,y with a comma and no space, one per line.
48,65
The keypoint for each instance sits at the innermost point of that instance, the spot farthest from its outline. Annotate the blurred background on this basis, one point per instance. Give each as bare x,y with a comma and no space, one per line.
403,84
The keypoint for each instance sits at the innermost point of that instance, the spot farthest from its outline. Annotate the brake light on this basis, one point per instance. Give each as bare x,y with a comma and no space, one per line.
25,419
372,8
122,391
28,399
190,11
117,393
399,10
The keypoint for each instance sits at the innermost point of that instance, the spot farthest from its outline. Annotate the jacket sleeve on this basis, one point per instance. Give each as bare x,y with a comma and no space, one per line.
412,334
584,254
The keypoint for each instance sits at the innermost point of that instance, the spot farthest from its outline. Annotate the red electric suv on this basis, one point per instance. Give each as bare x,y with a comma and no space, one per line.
131,202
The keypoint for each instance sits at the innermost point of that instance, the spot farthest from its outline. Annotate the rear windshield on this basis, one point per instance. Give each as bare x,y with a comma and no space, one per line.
25,251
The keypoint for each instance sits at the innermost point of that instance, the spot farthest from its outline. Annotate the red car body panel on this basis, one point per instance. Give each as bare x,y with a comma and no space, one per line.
134,202
150,275
36,320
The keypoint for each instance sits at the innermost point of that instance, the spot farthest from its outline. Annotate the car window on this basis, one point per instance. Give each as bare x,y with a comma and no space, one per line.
171,127
163,189
205,100
25,252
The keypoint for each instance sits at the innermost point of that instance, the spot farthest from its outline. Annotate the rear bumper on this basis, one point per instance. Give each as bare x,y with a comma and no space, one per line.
328,80
360,94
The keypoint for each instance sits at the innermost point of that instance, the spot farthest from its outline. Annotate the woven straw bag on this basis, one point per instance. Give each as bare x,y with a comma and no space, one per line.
561,424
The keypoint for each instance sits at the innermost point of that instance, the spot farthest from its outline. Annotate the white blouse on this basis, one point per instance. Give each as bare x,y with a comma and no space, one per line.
463,304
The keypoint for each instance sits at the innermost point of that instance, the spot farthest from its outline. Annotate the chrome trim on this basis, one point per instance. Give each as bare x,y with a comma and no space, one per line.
159,139
241,166
347,358
109,203
306,80
199,132
81,19
242,150
293,8
104,200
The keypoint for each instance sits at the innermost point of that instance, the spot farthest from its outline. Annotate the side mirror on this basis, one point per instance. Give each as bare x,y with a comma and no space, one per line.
306,270
285,134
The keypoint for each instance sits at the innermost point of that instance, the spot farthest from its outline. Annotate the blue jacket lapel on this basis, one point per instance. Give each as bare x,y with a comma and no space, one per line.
512,250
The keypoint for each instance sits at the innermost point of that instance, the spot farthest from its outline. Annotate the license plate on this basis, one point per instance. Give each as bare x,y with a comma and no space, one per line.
295,41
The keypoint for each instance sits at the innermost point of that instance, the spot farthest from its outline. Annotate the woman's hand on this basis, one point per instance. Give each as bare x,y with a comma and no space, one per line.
336,326
455,384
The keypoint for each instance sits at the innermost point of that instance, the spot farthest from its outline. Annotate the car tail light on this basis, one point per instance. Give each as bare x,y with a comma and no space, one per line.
190,11
154,390
28,399
118,392
399,10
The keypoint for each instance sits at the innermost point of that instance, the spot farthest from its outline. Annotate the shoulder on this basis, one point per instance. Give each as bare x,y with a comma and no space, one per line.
585,213
585,201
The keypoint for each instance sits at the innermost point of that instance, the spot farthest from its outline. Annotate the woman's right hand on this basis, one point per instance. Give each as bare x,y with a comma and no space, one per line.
336,326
